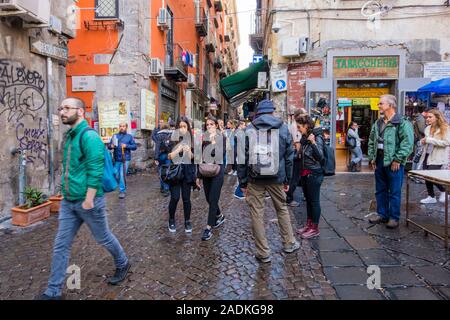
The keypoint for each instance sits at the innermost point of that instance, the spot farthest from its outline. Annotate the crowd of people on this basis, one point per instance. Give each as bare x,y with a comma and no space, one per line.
269,158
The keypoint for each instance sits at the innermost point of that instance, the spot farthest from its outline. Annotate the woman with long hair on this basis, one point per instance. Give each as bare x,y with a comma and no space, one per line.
182,154
436,146
311,172
214,141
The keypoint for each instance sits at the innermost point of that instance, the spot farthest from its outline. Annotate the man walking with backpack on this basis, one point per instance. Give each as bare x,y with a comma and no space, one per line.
84,200
268,165
390,144
122,143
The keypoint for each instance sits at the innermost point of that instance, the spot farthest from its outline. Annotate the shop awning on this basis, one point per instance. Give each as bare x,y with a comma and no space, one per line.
439,87
242,82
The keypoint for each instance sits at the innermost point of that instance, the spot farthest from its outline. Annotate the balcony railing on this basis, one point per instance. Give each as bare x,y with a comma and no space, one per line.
201,21
174,68
257,32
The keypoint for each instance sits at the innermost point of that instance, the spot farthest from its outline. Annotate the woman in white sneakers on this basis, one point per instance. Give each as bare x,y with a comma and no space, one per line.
436,151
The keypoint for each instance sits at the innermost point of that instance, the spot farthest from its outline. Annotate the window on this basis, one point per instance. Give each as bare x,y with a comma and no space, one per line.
107,9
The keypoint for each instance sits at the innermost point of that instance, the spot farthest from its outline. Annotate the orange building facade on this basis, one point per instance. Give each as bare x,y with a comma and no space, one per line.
159,59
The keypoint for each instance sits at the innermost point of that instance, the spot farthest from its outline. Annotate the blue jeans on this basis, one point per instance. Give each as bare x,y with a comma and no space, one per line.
71,217
388,190
118,172
357,155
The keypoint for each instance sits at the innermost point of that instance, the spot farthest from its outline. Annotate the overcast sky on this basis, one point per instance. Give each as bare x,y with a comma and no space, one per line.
245,51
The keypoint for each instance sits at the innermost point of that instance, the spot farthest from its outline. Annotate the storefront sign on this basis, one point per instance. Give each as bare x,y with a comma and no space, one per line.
110,115
297,75
436,70
148,110
374,104
366,67
169,93
352,93
361,102
83,84
279,81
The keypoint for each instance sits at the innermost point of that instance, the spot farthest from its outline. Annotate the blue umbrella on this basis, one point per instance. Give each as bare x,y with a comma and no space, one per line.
439,87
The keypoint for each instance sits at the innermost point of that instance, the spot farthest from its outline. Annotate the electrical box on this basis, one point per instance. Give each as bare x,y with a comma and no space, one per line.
294,47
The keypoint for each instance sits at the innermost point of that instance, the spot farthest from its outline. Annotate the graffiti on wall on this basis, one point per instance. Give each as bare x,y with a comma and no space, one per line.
33,141
21,91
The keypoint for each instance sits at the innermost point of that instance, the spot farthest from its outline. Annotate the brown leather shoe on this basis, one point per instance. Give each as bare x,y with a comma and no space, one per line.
377,219
392,224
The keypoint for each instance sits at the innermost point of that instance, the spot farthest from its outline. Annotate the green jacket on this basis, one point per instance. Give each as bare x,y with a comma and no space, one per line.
82,170
397,147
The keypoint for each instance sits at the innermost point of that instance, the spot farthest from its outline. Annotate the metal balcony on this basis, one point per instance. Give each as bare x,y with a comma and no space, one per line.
201,21
257,32
175,69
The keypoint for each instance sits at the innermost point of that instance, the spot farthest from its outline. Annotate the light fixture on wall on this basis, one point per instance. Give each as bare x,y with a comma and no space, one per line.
276,26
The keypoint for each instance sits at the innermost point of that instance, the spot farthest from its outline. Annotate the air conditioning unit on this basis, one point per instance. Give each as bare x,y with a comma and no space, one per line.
34,13
191,80
163,19
156,68
294,47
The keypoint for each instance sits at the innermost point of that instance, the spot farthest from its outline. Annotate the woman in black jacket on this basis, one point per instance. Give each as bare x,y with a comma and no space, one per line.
182,154
311,172
213,185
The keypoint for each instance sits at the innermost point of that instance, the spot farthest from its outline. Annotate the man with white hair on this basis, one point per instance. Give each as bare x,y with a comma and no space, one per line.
391,142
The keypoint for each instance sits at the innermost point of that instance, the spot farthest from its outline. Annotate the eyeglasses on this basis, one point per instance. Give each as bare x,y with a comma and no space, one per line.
66,109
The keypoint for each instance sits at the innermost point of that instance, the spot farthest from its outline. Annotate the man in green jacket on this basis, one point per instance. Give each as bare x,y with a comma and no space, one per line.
84,200
391,142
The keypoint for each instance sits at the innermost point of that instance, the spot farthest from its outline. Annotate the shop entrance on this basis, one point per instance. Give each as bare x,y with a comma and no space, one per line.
357,101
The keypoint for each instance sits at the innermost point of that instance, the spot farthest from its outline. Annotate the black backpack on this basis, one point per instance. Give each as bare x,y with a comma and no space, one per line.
329,162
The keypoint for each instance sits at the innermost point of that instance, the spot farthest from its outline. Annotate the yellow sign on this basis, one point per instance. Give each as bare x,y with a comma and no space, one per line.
374,104
366,67
352,93
110,115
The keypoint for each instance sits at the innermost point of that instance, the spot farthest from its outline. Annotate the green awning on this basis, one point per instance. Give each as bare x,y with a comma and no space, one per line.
242,81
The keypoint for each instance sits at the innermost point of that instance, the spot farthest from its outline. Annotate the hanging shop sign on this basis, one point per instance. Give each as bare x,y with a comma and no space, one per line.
148,110
366,67
110,115
361,102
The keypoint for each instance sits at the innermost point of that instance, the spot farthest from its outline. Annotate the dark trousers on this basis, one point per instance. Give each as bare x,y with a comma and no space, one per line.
184,189
311,189
294,181
213,188
430,185
388,190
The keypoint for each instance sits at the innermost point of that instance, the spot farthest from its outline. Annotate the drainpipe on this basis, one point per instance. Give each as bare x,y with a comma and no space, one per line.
51,155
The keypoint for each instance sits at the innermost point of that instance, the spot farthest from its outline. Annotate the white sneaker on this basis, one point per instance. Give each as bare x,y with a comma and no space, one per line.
428,200
442,197
235,173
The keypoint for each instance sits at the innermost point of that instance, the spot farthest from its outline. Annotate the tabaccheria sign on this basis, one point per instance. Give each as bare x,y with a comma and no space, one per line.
366,67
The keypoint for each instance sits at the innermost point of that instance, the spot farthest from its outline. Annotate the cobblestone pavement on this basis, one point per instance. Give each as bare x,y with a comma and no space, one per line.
412,266
166,266
180,266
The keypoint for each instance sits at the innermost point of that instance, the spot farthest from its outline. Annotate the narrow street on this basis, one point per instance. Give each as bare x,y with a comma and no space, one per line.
182,267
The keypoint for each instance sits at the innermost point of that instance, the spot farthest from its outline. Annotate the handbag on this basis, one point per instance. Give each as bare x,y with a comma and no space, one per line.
209,170
171,173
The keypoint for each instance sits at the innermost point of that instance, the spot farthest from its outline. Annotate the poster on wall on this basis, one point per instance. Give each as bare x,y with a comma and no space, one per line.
148,110
110,115
297,75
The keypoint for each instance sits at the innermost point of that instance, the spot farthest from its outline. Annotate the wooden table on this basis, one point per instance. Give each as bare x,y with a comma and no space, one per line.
441,177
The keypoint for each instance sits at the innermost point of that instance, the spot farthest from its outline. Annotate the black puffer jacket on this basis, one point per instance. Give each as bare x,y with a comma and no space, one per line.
312,156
